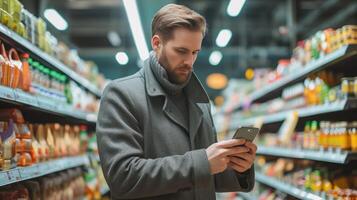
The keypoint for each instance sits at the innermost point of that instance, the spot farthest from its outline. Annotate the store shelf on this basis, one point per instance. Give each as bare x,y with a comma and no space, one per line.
302,112
16,96
340,157
286,188
14,38
23,173
322,63
247,196
104,190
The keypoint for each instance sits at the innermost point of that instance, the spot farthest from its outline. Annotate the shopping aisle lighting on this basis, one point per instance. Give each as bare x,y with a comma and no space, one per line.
215,58
122,58
223,37
234,7
136,28
56,19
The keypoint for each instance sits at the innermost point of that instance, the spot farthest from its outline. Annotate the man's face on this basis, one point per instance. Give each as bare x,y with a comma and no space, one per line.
178,54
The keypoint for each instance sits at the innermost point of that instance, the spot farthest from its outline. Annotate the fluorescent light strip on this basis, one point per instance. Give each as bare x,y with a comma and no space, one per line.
234,7
215,58
56,19
223,37
136,28
122,58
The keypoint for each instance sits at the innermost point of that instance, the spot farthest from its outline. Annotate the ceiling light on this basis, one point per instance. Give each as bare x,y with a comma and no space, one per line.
136,28
234,7
217,81
114,38
56,19
223,37
122,58
215,58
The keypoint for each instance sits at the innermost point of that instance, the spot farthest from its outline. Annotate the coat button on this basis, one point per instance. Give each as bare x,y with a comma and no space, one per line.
154,89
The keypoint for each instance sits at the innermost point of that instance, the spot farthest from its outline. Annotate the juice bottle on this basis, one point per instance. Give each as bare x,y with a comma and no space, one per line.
67,140
50,141
40,135
8,138
306,142
16,68
25,80
83,138
323,136
58,135
5,67
353,135
35,146
345,138
314,135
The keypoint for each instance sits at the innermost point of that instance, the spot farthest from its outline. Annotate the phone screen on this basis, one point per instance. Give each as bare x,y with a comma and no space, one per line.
247,133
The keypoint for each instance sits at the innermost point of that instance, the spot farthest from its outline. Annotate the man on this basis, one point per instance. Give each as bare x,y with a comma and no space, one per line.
155,132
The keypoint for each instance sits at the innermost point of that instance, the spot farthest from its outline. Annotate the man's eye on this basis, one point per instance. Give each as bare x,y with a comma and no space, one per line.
181,51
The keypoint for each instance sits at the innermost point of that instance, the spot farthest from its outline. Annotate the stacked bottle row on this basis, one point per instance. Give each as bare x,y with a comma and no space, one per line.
321,44
30,75
23,144
68,184
34,29
327,182
326,134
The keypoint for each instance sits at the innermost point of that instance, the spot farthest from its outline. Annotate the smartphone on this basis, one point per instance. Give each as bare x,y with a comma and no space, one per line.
247,133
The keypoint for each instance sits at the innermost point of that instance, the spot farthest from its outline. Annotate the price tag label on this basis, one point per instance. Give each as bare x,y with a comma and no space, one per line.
7,93
47,104
26,98
13,175
30,172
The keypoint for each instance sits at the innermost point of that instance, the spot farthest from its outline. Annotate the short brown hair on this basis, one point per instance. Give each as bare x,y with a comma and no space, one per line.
174,16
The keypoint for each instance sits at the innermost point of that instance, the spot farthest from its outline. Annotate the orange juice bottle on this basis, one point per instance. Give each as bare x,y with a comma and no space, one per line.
8,144
40,135
345,138
67,140
50,141
35,147
57,134
16,68
25,79
5,67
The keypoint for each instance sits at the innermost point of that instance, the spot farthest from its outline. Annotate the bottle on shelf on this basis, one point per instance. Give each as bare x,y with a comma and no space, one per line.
25,80
16,68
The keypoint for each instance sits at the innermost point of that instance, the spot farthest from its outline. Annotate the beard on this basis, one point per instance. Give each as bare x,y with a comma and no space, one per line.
176,74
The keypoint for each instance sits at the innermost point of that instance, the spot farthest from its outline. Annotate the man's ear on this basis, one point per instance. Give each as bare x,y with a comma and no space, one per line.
156,42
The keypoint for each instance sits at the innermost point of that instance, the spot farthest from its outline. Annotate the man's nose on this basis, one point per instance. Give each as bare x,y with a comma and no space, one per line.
189,60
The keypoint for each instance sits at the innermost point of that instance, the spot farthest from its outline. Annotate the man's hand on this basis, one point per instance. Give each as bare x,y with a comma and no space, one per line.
218,153
241,162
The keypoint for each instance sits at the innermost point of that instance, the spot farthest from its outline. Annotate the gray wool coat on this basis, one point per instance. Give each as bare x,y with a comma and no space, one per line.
146,153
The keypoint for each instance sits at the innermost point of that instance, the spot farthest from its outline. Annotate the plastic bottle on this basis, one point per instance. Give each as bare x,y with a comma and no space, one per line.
25,80
5,67
50,141
16,68
40,135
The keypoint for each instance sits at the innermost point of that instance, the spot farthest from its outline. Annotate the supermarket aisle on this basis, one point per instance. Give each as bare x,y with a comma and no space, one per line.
286,67
308,140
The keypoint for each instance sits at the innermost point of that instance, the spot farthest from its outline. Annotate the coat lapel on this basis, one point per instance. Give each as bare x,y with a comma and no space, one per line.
195,94
195,118
174,114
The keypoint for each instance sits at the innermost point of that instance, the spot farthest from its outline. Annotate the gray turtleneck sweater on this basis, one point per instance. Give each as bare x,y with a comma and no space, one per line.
175,92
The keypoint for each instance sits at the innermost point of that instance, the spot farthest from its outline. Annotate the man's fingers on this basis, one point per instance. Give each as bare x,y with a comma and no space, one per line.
251,146
240,162
235,150
237,168
243,159
230,143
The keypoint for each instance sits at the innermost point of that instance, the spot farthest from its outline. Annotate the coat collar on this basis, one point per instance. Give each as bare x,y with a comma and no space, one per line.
194,89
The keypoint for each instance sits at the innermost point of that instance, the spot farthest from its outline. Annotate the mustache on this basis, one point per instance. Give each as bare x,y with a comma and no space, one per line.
186,67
